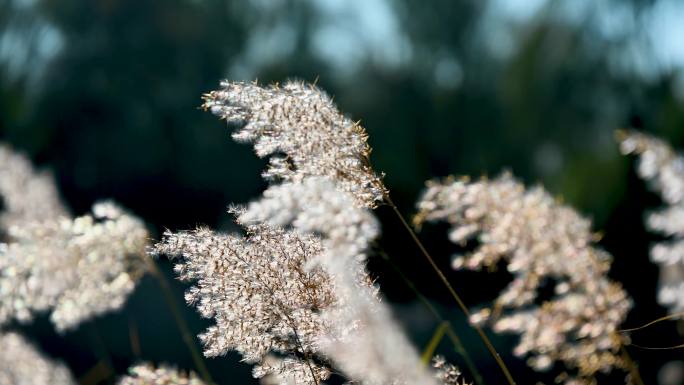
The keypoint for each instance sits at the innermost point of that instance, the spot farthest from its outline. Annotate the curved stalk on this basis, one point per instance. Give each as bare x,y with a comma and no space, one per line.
450,331
180,322
453,293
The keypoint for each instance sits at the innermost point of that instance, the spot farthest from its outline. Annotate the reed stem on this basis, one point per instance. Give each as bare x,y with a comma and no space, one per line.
450,331
453,293
180,322
633,368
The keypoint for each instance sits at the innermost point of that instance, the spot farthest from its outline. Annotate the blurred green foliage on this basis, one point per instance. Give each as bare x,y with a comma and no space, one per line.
106,93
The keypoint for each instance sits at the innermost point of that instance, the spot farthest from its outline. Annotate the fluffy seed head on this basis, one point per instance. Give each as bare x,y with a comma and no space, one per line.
22,364
27,195
364,340
302,130
258,290
147,374
542,243
74,268
663,168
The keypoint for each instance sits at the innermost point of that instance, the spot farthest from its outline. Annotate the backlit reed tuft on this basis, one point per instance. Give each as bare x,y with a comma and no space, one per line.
22,364
27,195
74,268
322,188
303,132
259,293
543,244
364,341
664,170
147,374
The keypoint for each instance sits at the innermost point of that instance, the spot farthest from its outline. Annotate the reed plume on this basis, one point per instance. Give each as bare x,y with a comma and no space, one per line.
74,268
22,364
300,268
543,244
364,341
301,293
27,195
259,293
303,132
663,168
147,374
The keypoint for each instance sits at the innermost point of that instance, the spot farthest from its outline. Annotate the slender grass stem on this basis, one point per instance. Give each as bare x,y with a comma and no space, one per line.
661,319
453,293
450,331
674,347
633,368
460,348
432,345
134,338
298,342
97,374
180,322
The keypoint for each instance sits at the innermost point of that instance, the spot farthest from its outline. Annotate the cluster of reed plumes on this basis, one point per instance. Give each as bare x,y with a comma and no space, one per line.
292,294
540,240
664,169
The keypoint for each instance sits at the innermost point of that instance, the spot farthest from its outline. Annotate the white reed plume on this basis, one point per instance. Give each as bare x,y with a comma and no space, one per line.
300,127
147,374
322,160
260,294
75,268
542,243
27,195
364,340
664,169
22,364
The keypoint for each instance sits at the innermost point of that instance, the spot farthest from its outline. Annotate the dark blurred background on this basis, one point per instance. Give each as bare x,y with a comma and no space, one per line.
106,92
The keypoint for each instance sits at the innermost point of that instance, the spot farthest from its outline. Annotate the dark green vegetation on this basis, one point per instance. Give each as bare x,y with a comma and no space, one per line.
106,93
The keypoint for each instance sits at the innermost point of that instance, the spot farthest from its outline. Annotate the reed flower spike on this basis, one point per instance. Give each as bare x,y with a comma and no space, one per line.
364,340
75,268
303,132
663,168
27,195
22,364
542,243
147,374
260,294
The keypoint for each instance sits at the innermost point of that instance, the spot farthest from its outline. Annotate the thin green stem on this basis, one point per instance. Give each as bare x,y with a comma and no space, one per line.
450,331
182,325
453,293
460,348
437,336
